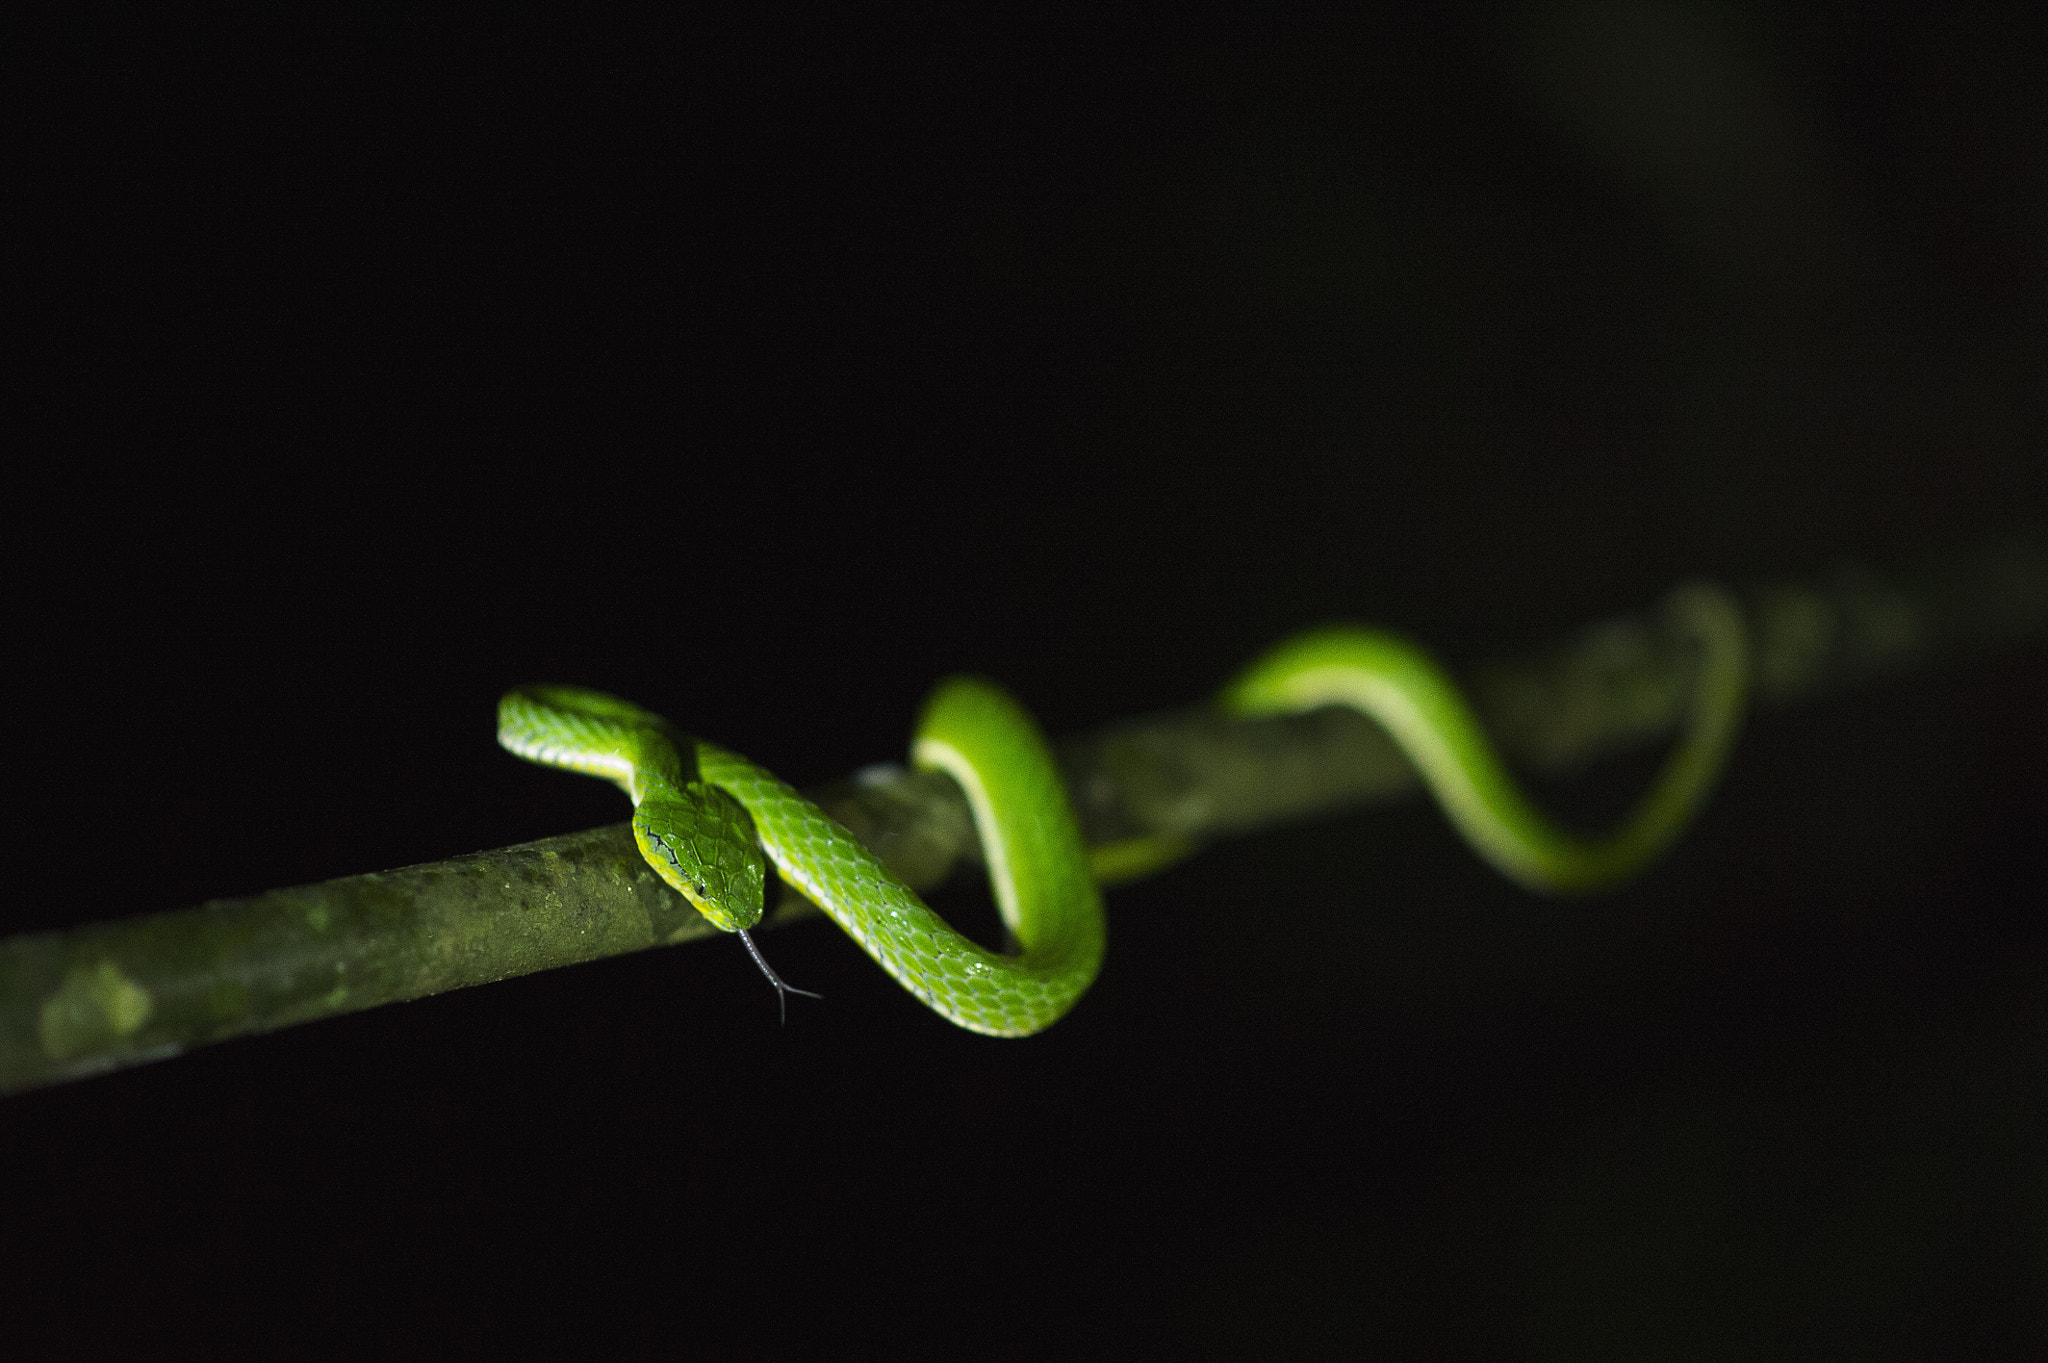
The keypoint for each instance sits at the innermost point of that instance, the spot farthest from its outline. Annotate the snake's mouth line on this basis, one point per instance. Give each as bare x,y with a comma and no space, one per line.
661,845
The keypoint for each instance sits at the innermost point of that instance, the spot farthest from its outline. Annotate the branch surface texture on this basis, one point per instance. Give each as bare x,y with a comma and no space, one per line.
106,995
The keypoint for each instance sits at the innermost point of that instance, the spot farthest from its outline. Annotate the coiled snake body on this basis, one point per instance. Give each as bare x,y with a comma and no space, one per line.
704,817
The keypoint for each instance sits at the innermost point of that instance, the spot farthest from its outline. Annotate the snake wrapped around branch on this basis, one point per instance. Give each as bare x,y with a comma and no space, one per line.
705,817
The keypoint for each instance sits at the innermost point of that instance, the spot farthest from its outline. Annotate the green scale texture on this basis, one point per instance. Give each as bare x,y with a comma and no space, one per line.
955,976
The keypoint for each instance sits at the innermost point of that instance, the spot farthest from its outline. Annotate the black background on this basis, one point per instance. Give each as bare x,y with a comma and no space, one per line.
765,372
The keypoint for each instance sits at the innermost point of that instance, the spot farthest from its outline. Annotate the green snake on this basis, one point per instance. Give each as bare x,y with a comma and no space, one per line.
704,816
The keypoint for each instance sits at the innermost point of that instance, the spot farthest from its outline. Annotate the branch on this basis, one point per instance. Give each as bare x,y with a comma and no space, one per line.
95,998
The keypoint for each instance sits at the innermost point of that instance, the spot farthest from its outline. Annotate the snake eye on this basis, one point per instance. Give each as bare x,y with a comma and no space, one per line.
700,887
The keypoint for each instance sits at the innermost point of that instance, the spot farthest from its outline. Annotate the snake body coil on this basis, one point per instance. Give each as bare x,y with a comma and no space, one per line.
703,816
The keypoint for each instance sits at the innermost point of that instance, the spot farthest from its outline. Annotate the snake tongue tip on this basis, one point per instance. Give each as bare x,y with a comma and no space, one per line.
783,989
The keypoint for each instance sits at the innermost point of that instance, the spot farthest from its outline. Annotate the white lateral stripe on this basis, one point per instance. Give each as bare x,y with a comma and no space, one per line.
933,752
612,766
1432,755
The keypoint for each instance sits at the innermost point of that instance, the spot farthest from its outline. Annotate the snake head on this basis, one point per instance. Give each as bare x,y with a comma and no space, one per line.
701,841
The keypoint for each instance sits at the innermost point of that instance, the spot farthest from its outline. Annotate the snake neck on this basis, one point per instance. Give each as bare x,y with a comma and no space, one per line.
657,769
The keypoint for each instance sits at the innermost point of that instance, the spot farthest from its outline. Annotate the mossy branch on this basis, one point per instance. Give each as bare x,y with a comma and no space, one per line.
99,997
